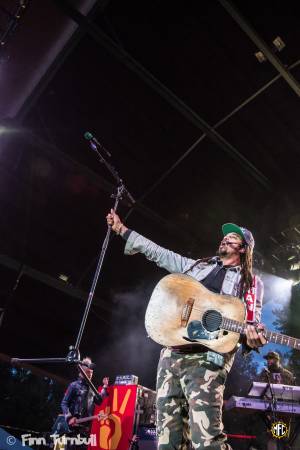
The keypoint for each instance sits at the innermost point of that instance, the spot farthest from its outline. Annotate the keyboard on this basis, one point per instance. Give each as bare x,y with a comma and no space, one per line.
261,405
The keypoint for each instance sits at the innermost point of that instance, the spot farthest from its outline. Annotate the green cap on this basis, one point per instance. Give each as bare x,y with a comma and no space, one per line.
272,355
245,234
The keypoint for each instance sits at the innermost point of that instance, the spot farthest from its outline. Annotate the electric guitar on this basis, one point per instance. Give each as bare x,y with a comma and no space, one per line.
182,312
62,425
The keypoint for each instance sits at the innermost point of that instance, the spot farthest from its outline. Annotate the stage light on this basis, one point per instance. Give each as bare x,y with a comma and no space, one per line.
8,130
295,266
260,57
277,288
279,43
3,130
63,277
284,284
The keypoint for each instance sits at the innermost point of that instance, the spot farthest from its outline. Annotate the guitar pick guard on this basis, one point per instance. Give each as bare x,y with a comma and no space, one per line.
196,330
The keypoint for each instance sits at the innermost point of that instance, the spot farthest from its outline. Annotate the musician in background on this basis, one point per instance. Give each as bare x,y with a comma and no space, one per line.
275,373
79,401
190,380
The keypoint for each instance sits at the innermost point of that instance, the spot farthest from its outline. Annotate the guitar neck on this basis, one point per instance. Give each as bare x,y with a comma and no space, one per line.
271,336
87,419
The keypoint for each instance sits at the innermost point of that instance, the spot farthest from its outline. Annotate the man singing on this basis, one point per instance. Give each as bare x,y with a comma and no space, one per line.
190,382
275,373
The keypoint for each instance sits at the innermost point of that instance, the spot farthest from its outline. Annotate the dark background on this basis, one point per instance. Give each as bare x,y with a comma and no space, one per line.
199,130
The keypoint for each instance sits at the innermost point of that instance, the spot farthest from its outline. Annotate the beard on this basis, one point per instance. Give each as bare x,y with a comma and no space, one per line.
222,252
273,367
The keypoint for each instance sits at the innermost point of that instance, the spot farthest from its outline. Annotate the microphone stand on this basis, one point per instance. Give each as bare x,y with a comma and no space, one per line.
296,423
273,403
73,356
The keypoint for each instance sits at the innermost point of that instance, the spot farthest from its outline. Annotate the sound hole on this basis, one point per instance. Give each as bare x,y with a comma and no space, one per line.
211,320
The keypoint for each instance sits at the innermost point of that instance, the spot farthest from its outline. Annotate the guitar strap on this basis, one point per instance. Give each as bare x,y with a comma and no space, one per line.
209,260
250,300
249,296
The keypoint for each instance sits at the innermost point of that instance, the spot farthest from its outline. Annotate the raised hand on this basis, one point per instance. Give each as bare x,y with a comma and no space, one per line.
114,221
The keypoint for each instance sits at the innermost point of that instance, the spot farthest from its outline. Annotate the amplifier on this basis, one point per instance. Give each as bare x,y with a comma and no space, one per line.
126,379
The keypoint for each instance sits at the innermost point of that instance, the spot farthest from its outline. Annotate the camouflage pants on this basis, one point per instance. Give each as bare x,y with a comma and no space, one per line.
189,402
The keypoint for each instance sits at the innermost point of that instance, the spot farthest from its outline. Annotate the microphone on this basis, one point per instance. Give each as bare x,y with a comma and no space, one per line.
90,365
94,142
243,244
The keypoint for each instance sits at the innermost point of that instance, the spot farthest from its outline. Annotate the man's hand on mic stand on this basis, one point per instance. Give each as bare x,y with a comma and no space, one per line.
114,221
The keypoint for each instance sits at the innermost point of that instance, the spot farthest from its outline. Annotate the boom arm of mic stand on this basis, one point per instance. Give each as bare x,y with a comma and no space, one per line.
91,385
48,361
39,360
112,170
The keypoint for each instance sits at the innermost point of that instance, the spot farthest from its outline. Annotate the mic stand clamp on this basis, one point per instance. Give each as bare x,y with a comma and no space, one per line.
73,357
98,148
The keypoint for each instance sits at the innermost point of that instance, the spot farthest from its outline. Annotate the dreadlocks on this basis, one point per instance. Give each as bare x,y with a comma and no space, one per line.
246,261
246,270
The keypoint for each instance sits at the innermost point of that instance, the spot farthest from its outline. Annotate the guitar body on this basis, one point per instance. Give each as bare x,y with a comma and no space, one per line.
182,312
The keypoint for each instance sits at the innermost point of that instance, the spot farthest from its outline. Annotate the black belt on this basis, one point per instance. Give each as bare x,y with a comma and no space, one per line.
209,355
190,349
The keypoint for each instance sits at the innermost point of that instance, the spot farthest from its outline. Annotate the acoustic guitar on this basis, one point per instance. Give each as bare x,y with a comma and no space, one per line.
181,312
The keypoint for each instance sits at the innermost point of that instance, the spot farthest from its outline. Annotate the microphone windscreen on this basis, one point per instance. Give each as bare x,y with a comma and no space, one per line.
88,135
